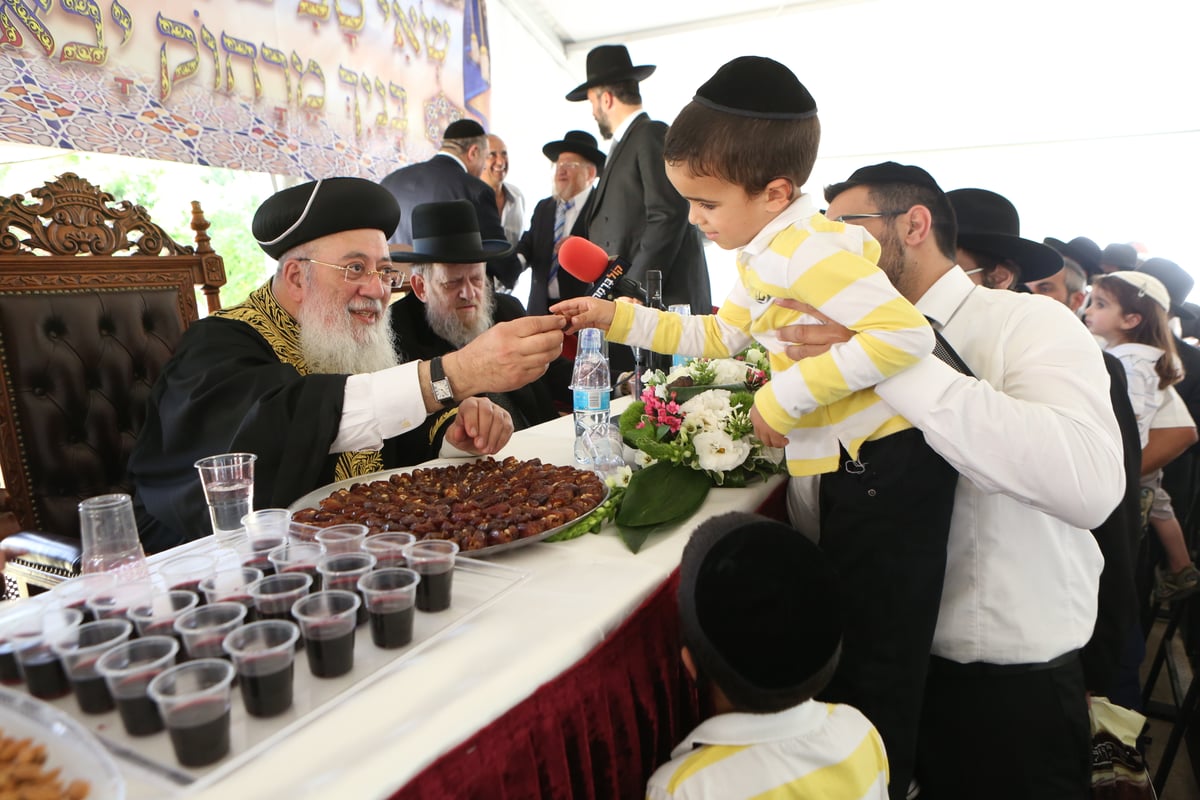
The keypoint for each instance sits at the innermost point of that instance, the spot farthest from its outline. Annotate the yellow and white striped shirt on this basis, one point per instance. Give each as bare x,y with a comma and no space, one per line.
820,402
824,751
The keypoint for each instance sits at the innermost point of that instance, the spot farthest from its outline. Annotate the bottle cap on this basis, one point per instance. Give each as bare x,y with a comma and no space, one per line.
589,339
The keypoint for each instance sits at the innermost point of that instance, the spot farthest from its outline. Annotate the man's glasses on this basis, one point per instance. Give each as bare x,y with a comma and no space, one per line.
877,215
567,165
359,272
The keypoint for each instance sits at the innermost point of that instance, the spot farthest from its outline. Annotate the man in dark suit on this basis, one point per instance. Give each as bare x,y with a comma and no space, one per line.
576,161
636,213
453,174
452,303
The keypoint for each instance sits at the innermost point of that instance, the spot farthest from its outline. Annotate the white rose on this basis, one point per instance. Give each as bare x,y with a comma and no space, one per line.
714,401
717,452
729,370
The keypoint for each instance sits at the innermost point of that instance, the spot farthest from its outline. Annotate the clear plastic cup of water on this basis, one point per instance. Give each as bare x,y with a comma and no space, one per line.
228,481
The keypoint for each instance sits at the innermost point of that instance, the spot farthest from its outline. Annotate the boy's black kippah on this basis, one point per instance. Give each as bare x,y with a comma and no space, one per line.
759,607
753,86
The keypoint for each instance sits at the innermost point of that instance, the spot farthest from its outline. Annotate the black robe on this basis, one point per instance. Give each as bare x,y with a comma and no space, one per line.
226,390
530,405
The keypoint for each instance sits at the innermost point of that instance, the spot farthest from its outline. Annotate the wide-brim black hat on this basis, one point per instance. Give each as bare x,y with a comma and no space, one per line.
311,210
578,142
1121,256
448,233
1178,282
608,64
1082,250
988,223
760,608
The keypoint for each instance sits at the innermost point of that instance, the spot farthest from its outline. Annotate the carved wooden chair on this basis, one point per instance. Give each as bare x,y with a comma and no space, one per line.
94,298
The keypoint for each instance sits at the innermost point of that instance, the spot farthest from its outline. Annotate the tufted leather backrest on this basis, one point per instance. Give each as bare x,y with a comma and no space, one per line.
84,333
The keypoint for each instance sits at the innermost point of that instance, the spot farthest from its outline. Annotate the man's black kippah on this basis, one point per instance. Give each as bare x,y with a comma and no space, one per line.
890,172
463,129
753,86
311,210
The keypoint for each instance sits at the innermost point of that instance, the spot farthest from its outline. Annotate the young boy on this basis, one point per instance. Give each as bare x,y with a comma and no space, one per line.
740,153
760,612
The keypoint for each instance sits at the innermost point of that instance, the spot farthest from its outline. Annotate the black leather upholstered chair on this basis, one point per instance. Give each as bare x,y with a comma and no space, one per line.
94,297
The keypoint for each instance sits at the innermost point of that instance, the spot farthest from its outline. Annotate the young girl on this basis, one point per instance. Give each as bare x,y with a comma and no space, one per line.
1129,311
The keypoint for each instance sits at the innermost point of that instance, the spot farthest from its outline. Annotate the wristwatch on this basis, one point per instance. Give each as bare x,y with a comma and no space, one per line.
442,392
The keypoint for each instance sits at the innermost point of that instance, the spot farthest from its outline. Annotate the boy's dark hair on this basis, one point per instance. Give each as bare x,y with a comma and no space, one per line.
625,91
896,187
760,611
749,152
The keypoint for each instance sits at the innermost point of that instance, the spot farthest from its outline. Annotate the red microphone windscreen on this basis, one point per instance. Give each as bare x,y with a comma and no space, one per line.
581,258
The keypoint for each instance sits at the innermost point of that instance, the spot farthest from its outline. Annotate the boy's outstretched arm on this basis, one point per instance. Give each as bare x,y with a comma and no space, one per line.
584,312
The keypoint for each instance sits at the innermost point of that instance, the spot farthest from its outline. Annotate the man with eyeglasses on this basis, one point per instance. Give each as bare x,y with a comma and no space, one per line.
304,373
576,161
452,303
1032,434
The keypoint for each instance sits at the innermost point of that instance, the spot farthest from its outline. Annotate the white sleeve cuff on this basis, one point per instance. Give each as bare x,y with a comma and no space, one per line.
378,406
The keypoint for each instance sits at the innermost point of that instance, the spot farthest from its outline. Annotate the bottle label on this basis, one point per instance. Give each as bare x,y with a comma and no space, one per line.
591,399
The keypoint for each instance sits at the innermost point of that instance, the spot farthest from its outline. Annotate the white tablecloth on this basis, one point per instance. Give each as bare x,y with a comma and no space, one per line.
577,593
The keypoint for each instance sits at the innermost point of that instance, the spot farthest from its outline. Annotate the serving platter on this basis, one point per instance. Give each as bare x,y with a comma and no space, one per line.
313,500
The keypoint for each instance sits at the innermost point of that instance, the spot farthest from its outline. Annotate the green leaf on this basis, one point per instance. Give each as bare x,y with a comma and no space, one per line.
662,493
634,538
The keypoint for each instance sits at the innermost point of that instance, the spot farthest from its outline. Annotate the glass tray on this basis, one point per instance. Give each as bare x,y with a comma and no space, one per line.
477,584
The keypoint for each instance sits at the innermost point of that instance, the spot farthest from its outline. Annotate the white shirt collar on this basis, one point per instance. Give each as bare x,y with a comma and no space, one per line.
946,295
740,728
619,131
801,208
580,198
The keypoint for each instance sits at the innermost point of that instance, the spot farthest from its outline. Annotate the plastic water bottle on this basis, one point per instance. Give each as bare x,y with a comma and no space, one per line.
683,310
591,387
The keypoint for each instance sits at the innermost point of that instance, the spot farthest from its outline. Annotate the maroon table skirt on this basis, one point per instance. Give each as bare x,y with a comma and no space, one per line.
597,731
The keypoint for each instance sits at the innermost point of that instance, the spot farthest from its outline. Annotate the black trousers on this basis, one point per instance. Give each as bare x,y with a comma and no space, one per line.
1002,732
885,520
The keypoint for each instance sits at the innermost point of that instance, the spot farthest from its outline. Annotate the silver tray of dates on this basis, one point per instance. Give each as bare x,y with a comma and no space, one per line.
486,506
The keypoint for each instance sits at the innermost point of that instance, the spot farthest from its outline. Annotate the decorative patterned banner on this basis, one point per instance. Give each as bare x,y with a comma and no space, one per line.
308,88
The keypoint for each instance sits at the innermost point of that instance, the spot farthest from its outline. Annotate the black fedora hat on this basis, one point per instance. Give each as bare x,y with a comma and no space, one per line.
1082,250
1179,284
988,223
578,142
448,233
606,64
1120,256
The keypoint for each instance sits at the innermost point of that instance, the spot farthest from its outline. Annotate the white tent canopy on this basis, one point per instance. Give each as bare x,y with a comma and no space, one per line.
1083,113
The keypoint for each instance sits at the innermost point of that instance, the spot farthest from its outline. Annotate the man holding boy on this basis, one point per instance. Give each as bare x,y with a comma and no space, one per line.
1033,437
761,621
886,501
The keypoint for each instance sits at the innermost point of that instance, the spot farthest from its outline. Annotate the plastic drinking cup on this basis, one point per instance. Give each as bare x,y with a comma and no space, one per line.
186,571
22,622
342,571
194,701
300,532
327,620
347,538
128,669
264,654
110,538
390,595
433,560
204,628
295,556
390,549
232,586
79,649
228,481
39,664
74,593
274,595
157,617
118,598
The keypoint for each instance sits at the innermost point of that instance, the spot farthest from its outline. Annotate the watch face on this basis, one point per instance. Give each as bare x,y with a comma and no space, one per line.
442,391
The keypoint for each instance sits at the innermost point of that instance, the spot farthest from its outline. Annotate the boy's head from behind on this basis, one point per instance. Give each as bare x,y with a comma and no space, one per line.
752,125
760,611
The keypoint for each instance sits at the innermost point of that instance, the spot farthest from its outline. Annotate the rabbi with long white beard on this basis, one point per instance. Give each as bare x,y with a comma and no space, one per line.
452,302
303,374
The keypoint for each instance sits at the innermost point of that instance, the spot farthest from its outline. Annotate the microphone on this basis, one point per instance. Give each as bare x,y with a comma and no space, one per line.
587,262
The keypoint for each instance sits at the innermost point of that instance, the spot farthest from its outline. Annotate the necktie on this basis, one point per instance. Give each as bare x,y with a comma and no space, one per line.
560,232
